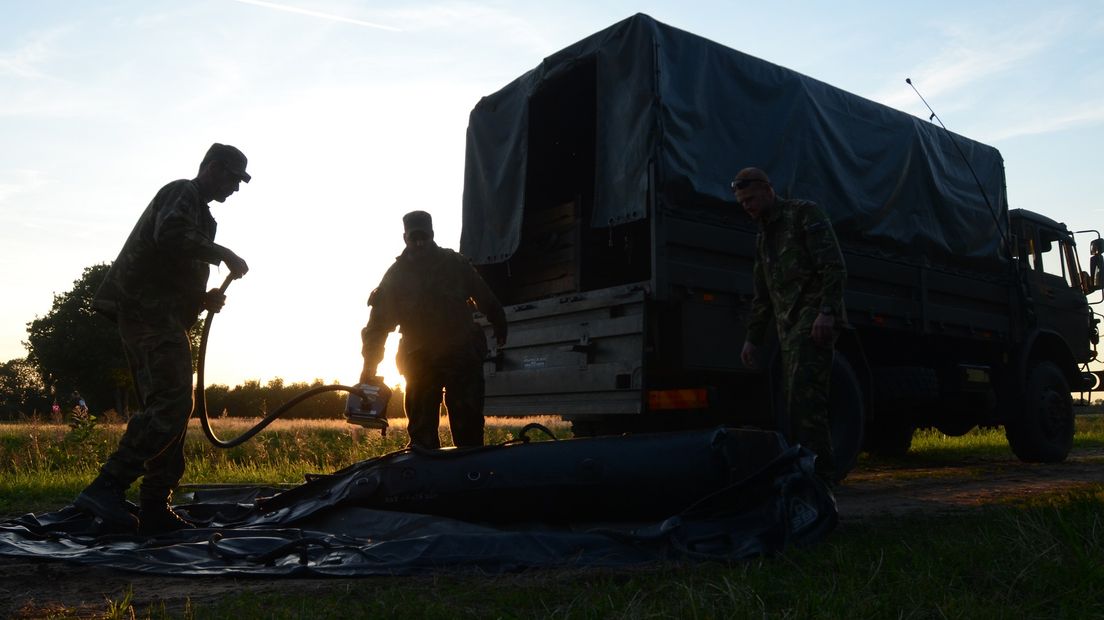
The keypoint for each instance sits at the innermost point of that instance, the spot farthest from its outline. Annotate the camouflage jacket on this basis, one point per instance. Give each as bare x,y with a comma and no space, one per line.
431,298
161,273
799,269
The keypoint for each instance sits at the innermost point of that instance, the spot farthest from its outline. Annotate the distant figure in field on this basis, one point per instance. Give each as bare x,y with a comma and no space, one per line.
79,405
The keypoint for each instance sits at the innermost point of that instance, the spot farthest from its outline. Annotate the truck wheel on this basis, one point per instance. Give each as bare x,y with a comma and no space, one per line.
1042,429
846,411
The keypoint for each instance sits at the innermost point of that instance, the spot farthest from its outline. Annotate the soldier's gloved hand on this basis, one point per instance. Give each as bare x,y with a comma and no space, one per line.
750,355
823,328
367,374
213,300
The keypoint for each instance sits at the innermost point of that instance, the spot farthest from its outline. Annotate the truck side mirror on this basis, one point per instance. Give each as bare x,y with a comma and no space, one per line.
1095,276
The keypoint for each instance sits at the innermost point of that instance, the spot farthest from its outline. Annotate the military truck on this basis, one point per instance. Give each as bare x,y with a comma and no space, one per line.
597,204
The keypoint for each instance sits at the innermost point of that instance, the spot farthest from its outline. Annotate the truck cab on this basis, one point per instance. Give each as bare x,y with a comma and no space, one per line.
1046,256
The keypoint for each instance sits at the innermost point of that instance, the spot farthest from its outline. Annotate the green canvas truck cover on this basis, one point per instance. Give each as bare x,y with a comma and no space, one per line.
893,184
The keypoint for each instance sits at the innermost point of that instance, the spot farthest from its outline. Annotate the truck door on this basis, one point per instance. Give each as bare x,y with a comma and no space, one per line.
1055,281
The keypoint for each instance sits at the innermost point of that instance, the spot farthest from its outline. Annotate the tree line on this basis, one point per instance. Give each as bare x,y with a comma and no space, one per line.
251,399
75,355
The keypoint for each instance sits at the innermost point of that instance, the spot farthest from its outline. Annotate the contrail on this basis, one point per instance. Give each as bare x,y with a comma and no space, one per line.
336,18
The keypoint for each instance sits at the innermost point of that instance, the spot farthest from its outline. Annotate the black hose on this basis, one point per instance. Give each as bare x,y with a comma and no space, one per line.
201,398
534,426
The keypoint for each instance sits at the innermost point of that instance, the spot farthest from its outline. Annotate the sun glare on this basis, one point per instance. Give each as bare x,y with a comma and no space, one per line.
387,368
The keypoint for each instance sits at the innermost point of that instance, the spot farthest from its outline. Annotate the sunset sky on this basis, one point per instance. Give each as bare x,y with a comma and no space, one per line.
353,113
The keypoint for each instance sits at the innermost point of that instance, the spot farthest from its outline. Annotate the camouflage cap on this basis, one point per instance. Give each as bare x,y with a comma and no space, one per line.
234,159
418,221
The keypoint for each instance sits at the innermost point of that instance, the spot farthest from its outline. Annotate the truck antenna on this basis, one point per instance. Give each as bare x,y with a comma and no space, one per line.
981,188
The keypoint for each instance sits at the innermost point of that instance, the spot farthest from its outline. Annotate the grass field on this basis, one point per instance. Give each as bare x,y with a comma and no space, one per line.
47,464
1043,558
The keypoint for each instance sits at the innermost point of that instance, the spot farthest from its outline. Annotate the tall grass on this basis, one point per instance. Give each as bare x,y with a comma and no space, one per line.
47,464
989,441
981,447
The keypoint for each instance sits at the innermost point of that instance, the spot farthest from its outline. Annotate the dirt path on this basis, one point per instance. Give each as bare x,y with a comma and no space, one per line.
962,485
33,589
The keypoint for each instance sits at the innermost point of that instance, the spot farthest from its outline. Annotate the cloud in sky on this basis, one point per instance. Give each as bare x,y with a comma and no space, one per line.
17,182
47,77
1086,114
317,14
979,72
967,57
25,62
466,20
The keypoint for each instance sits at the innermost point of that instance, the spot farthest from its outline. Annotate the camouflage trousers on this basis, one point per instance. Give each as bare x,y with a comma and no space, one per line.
152,446
806,377
463,395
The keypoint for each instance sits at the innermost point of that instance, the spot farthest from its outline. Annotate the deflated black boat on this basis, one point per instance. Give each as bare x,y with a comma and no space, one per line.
723,494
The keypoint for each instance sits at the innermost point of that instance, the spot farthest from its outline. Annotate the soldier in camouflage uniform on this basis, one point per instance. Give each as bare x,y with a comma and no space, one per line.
154,291
798,278
430,293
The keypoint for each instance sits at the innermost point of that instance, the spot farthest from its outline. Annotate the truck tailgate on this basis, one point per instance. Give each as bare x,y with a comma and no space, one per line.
581,353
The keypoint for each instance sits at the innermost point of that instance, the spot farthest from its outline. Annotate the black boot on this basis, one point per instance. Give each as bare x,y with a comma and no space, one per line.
158,517
105,499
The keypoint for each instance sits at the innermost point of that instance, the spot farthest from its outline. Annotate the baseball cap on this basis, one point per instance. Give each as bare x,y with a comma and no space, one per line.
418,221
234,159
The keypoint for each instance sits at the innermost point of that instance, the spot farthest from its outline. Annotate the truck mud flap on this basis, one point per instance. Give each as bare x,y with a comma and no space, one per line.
720,494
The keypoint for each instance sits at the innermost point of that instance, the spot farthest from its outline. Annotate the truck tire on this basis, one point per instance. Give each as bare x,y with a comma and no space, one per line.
1042,430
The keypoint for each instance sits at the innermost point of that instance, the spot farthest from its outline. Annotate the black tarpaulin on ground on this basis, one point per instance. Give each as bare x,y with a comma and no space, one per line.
691,113
723,494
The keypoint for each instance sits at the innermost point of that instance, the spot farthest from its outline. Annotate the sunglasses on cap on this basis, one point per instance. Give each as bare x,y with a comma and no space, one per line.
744,183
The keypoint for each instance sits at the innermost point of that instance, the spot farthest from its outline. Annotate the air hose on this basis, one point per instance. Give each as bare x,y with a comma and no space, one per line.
201,399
